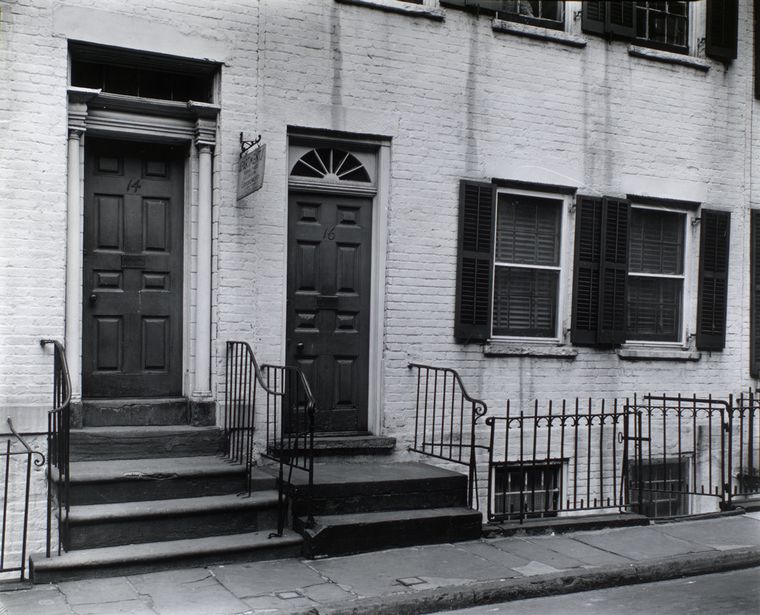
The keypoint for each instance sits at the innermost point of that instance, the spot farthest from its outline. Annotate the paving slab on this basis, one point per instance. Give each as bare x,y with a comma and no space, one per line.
590,556
639,543
93,591
133,607
374,574
536,552
489,552
46,600
260,578
193,591
721,534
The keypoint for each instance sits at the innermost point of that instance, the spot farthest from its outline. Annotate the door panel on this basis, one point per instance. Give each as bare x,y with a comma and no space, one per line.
329,260
132,267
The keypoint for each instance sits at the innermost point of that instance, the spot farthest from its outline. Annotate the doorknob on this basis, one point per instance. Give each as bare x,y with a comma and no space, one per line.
299,347
93,299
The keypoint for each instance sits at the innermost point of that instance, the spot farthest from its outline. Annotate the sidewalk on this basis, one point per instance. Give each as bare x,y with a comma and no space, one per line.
417,579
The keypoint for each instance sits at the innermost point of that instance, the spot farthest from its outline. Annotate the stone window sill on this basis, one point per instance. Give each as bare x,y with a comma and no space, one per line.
401,8
668,57
642,353
512,349
536,32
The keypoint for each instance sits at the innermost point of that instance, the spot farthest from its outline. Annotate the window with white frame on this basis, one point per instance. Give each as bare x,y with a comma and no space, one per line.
656,275
527,258
636,267
663,23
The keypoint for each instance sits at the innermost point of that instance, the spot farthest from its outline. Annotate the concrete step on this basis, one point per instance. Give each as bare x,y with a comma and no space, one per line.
353,488
142,558
105,525
356,533
127,480
135,412
130,442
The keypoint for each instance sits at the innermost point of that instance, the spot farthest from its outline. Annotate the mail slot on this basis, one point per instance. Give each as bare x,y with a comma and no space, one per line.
132,261
327,301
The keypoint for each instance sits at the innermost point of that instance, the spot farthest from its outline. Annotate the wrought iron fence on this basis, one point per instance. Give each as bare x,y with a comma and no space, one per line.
16,463
557,457
58,439
289,407
446,419
682,455
746,455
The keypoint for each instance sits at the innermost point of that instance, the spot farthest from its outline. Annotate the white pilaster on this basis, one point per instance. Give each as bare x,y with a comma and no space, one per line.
78,98
204,141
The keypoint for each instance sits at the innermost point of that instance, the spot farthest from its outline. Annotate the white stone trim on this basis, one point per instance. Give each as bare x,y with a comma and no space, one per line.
155,121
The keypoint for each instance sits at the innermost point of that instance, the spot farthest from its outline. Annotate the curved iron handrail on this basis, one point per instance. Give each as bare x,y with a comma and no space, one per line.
61,354
474,400
39,458
260,376
428,446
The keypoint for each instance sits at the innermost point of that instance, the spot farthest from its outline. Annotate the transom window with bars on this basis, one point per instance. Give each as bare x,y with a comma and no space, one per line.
526,266
534,490
655,275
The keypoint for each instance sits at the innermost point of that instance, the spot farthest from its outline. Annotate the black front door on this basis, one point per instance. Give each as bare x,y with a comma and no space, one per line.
132,270
329,259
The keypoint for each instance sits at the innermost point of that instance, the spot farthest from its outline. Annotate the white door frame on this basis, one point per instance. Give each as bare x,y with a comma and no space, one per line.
118,117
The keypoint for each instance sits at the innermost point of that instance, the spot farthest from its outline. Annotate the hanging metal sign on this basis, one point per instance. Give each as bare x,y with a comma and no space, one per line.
250,167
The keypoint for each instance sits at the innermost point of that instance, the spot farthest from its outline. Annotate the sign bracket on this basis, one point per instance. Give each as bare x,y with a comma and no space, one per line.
246,144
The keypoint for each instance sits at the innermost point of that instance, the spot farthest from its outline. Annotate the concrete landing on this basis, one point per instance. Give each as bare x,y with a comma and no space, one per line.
415,579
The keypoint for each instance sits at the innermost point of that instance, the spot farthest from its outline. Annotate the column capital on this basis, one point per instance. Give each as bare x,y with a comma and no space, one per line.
78,99
205,133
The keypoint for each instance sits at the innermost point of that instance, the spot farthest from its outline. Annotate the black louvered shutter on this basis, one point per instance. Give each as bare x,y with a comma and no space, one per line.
713,279
722,28
754,348
593,17
621,18
613,271
588,248
609,18
474,263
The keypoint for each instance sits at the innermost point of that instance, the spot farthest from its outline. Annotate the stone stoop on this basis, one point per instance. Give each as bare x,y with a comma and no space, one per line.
360,507
149,491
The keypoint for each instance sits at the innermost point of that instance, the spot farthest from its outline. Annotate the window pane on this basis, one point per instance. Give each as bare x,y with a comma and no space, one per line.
525,302
527,231
656,242
654,309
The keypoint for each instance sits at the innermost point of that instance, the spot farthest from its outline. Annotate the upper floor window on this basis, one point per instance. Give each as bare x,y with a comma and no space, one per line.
663,24
544,13
547,13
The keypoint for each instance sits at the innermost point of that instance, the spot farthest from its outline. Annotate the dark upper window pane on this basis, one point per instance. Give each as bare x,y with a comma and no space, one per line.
527,231
656,242
664,23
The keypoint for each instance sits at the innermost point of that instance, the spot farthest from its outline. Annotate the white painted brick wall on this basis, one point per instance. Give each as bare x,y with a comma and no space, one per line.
457,100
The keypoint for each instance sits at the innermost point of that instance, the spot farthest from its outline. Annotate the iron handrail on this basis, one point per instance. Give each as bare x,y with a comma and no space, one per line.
427,446
286,448
58,438
40,460
33,458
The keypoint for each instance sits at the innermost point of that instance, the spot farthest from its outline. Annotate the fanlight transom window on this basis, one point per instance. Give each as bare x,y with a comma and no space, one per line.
330,164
